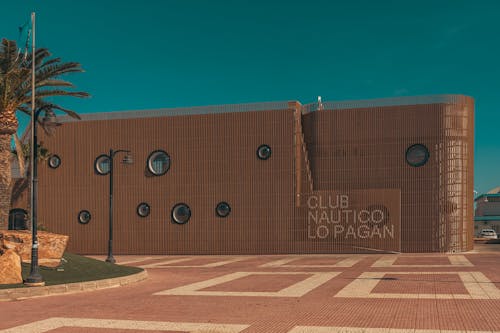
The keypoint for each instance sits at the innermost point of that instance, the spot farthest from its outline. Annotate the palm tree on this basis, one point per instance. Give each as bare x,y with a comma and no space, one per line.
15,95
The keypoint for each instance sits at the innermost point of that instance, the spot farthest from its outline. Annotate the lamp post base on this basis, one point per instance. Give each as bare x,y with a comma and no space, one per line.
111,259
35,280
34,284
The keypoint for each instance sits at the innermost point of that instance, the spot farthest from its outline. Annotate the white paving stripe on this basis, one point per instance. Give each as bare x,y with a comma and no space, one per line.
460,260
280,262
221,263
333,329
54,323
133,261
345,262
165,264
455,261
386,261
477,284
486,285
295,290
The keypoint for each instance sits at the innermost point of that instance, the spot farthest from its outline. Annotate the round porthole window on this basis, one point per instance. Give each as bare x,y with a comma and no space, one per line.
54,161
143,209
181,213
102,164
223,209
264,152
158,162
417,155
84,217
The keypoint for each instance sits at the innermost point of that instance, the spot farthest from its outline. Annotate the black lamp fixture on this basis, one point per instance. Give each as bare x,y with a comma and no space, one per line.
50,118
128,159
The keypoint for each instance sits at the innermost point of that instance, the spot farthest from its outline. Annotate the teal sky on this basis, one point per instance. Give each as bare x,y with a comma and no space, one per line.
159,54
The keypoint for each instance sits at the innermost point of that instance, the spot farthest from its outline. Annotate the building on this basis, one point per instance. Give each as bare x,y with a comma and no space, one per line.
385,175
487,215
20,191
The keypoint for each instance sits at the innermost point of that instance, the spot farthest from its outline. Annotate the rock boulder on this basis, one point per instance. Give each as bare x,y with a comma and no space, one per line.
10,268
50,246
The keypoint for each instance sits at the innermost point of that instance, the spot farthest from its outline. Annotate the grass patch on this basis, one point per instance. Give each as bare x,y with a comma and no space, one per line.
77,269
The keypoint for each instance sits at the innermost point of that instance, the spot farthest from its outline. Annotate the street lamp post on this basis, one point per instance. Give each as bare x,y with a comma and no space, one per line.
126,160
35,278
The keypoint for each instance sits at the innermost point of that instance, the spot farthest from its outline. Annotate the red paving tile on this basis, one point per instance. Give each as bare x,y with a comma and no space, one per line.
267,282
421,284
318,307
412,260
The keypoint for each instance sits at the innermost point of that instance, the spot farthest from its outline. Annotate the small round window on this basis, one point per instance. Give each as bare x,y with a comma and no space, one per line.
143,209
158,162
417,155
102,164
264,152
54,161
181,213
84,217
223,209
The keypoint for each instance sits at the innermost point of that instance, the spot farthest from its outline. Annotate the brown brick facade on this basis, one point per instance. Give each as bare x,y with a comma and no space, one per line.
351,158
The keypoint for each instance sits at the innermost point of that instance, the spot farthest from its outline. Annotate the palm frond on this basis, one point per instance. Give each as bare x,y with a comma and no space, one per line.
46,73
9,58
70,113
16,79
51,106
24,109
40,55
58,92
54,83
56,69
26,99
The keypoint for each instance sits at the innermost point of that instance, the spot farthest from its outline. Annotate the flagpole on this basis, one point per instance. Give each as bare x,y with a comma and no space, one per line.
35,278
32,110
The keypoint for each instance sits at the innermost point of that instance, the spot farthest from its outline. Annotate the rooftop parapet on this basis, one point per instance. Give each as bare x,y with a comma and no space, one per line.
392,101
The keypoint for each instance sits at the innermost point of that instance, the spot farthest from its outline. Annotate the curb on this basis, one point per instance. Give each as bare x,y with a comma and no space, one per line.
15,294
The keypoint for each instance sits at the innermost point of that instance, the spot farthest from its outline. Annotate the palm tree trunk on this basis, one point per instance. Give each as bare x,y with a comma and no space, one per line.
5,179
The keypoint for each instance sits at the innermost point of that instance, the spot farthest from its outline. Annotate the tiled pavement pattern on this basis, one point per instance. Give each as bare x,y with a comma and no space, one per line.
422,293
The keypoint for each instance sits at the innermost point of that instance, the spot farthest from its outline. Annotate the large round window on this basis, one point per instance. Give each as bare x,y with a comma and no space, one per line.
181,213
223,209
143,209
158,162
264,152
84,217
102,164
54,161
417,155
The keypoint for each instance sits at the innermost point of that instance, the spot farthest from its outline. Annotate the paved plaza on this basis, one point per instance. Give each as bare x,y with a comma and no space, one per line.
283,293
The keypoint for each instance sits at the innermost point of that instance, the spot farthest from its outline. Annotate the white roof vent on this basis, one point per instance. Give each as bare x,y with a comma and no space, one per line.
320,104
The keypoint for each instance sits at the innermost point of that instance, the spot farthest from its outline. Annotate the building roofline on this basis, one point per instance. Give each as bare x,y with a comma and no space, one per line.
487,218
488,195
269,106
184,111
391,101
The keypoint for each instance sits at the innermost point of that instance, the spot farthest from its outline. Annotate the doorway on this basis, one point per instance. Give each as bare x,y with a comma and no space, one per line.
17,219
